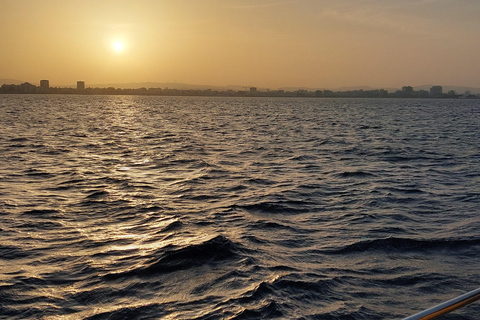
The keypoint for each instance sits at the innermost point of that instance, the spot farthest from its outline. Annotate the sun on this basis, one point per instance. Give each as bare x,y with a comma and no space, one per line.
118,46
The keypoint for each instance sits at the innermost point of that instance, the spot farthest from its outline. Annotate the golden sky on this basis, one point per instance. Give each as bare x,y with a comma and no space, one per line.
263,43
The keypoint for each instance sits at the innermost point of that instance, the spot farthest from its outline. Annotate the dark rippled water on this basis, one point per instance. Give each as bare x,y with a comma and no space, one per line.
118,207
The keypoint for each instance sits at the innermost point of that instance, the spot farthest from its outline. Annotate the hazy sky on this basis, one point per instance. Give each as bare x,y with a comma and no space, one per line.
264,43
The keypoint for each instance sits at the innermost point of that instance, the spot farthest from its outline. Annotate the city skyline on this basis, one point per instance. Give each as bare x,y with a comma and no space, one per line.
81,88
45,84
268,44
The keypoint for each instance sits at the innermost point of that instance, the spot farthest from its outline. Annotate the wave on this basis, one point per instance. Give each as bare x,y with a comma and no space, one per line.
265,300
211,251
150,311
263,310
394,244
356,174
9,252
41,213
98,194
282,206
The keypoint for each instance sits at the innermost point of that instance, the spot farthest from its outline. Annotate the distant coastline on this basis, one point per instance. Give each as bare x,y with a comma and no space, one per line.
404,92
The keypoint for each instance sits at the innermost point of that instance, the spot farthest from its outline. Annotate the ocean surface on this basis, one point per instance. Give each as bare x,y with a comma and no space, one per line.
136,207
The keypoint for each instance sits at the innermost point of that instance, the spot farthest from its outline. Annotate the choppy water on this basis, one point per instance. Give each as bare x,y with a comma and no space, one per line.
118,207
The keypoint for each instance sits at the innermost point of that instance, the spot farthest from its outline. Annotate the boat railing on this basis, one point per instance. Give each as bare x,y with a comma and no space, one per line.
447,306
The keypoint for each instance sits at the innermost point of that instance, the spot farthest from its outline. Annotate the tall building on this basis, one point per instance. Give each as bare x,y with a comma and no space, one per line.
80,86
44,86
436,91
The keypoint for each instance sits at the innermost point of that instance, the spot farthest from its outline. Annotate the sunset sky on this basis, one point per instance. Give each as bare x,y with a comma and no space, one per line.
264,43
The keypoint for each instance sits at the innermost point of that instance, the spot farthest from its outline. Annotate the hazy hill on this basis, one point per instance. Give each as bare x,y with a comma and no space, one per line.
446,89
170,85
10,81
355,88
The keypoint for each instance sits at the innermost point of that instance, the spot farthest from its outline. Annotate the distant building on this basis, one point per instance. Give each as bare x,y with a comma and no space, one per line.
407,89
44,86
436,91
80,86
423,93
27,88
253,89
10,88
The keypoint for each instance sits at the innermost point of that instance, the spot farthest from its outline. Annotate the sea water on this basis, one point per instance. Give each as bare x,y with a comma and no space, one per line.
137,207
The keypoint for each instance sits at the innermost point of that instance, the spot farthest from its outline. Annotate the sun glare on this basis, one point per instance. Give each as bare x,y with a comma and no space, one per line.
118,46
